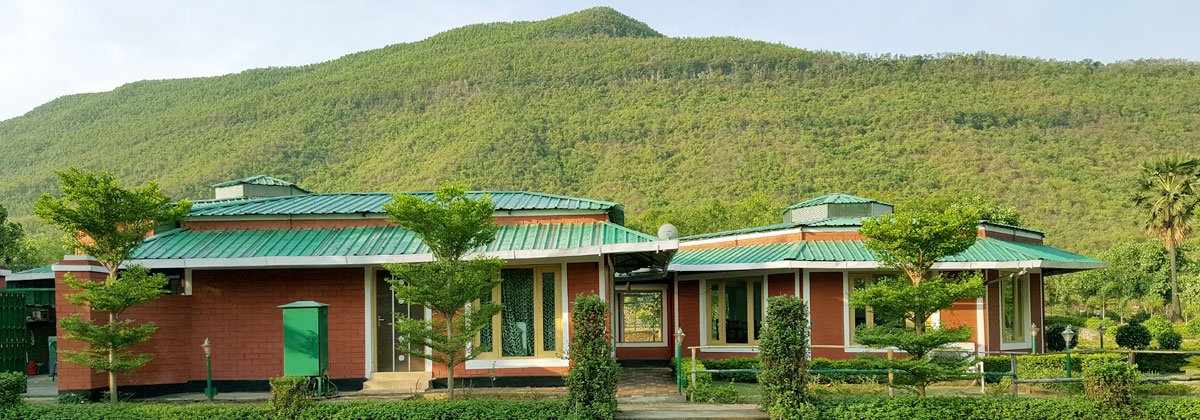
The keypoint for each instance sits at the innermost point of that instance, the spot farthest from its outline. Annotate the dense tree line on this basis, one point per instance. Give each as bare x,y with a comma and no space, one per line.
596,104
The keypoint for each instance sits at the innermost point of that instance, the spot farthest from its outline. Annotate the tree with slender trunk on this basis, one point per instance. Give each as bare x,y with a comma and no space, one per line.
108,222
452,287
912,242
1167,192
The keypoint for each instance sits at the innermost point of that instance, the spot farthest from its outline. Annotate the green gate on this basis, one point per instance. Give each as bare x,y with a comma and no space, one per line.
13,336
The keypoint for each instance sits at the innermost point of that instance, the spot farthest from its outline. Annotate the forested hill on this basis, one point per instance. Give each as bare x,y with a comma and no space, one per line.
596,104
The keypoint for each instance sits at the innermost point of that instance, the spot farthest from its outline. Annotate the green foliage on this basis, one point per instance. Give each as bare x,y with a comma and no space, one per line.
108,221
474,409
1095,322
1161,389
783,351
1044,366
1065,320
1169,340
1167,191
12,237
1110,382
12,385
1133,336
592,379
913,241
710,393
1193,326
711,215
599,105
1160,363
972,202
701,378
451,225
861,363
289,395
1157,324
734,363
1054,339
999,409
897,298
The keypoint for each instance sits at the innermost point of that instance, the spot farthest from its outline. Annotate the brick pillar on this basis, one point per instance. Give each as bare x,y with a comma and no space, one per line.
84,268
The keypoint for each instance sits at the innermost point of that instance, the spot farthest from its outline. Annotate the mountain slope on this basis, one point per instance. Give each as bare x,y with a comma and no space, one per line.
599,105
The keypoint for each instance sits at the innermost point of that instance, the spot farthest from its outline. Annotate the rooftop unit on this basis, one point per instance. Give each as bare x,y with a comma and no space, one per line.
835,206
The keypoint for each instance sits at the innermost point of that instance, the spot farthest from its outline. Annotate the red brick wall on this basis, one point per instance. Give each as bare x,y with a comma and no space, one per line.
782,284
237,310
1037,306
689,313
992,304
74,376
828,313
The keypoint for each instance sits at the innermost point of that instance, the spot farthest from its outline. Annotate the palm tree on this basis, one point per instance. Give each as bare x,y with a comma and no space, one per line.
1168,190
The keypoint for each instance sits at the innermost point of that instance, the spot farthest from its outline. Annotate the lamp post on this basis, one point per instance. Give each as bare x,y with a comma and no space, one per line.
679,359
1033,329
1102,329
209,391
1067,335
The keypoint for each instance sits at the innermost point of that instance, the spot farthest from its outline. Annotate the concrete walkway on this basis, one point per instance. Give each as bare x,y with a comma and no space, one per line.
690,411
647,385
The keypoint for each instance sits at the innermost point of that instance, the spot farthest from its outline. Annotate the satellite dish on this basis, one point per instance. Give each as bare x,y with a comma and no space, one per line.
668,231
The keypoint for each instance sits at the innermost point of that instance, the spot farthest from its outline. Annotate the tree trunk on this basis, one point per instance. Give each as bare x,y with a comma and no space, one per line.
921,390
1176,310
112,375
451,359
1103,308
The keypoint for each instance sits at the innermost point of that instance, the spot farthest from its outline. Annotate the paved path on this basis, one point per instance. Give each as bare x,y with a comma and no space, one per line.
647,385
690,411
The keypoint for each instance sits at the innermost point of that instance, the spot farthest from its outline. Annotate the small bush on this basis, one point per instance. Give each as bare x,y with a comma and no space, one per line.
1157,324
1161,389
1169,340
1162,363
703,378
1054,340
289,395
1138,318
12,385
1193,326
1064,320
1044,366
784,353
1095,322
592,380
716,394
1110,382
1133,336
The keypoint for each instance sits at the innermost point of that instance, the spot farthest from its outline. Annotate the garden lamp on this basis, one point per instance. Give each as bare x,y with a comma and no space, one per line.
1102,329
209,391
679,359
1067,335
1033,330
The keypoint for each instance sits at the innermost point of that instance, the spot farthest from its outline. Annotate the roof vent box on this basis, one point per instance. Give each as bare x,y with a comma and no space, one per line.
260,186
835,206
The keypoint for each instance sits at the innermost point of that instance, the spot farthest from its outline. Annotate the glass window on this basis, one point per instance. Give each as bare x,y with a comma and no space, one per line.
736,311
870,316
1013,309
528,325
641,316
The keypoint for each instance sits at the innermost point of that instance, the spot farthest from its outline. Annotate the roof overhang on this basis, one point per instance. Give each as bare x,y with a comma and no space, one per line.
5,273
30,276
1049,267
657,252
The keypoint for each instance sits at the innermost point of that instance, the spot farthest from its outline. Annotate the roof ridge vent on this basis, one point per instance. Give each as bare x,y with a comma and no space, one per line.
835,206
258,186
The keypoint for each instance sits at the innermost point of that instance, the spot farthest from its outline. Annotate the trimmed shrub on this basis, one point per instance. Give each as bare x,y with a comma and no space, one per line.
1064,320
592,380
946,408
861,363
1110,382
734,363
1095,322
1169,340
1162,363
473,409
289,395
783,349
12,385
1193,326
1157,324
1044,366
1054,340
1133,336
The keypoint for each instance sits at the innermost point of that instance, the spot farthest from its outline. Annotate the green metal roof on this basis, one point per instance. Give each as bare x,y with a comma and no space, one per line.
259,180
780,226
835,198
984,250
355,203
40,270
368,241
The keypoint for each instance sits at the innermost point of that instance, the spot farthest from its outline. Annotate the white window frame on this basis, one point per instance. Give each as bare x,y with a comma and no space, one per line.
1022,281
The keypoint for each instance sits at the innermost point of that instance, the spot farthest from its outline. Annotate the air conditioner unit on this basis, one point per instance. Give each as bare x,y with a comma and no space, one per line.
38,315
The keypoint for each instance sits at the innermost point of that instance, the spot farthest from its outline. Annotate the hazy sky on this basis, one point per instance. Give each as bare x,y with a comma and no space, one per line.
50,48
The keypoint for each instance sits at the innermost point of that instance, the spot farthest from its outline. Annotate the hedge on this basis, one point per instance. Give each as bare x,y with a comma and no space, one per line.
474,409
967,408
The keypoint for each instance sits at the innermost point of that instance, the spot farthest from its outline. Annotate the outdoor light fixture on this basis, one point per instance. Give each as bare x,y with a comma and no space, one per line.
679,359
1102,329
1033,329
1067,335
209,391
